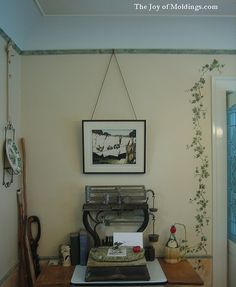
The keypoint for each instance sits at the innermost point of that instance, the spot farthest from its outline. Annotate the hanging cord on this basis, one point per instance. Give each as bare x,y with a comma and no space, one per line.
125,87
123,80
99,94
8,48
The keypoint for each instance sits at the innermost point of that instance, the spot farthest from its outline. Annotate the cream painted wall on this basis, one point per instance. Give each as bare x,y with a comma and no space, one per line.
8,206
59,91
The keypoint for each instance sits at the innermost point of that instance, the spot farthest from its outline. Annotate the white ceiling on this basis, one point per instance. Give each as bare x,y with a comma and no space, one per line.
71,29
133,7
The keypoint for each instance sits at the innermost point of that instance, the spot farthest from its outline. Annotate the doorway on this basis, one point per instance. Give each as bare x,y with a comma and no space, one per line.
231,184
221,261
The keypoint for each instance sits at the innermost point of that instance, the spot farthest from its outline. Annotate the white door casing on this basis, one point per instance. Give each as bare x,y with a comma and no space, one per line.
219,171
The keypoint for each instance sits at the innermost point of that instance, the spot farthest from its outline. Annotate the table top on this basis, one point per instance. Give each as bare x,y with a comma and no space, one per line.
156,273
181,273
55,276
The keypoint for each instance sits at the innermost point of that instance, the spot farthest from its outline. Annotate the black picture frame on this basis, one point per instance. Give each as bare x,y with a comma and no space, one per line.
114,146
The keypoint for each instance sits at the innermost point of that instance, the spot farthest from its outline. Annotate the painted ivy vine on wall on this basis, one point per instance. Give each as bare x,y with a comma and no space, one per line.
202,160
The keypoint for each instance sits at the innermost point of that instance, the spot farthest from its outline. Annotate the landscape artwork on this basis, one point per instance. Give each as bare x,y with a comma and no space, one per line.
114,146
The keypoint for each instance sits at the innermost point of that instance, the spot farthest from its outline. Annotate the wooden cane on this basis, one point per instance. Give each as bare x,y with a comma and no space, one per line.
22,142
22,219
27,272
23,274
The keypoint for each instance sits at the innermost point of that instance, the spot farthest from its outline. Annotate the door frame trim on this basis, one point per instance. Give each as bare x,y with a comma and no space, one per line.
219,178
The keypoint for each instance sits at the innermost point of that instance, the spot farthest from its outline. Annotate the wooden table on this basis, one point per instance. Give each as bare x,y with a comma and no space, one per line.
181,273
55,276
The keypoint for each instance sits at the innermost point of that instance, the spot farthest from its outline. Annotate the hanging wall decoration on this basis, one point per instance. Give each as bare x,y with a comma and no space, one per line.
12,164
114,146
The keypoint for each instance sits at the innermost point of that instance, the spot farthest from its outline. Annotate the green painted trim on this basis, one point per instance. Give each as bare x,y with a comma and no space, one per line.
118,51
130,51
9,273
66,52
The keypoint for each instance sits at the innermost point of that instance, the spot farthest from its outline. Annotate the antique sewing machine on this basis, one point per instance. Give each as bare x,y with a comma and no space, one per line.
117,205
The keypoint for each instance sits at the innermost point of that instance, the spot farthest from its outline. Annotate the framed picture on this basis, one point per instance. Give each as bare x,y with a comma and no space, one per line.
114,146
